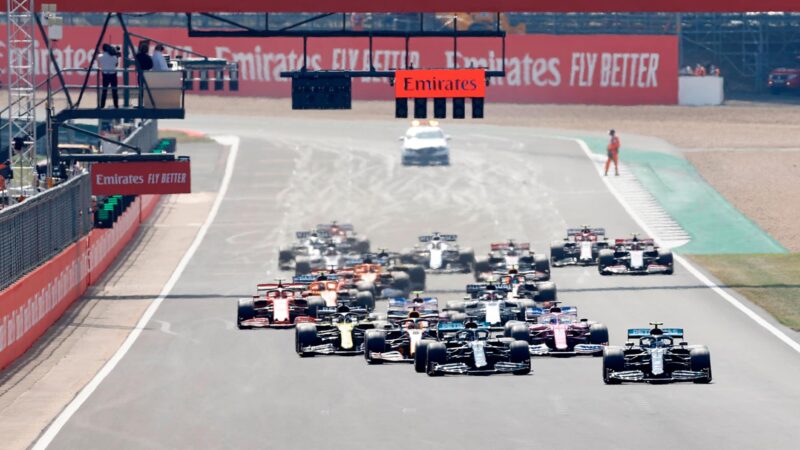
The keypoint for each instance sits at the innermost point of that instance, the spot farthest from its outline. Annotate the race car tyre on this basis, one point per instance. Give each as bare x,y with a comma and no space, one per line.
467,259
246,311
408,257
605,259
546,291
518,331
421,355
700,360
665,259
446,161
613,361
365,286
482,266
284,257
365,300
455,305
519,352
598,334
374,342
362,246
437,354
556,251
416,278
315,304
401,281
542,264
406,162
305,336
302,268
524,304
456,316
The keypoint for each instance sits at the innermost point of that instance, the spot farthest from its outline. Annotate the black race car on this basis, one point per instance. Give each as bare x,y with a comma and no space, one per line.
582,246
656,358
635,256
469,348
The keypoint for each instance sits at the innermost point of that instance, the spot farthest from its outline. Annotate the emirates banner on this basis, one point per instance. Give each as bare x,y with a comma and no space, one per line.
587,69
135,178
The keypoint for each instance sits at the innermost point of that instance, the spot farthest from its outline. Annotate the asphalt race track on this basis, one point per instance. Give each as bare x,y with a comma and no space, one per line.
192,380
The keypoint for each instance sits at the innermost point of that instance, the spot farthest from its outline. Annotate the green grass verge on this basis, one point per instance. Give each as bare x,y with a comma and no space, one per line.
772,281
182,137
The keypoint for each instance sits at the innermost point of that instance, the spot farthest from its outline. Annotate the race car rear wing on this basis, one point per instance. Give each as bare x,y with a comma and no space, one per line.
645,242
535,311
428,303
322,234
444,237
480,287
308,278
644,332
458,326
506,245
579,231
270,286
342,226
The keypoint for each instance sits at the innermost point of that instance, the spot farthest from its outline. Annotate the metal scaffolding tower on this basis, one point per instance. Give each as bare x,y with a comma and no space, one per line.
21,93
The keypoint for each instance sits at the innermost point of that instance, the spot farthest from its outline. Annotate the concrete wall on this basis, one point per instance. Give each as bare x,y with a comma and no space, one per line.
701,91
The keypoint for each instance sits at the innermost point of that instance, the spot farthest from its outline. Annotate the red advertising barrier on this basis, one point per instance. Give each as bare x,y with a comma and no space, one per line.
587,69
133,178
31,305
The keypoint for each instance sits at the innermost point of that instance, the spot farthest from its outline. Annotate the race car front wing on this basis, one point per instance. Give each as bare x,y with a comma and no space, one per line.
579,349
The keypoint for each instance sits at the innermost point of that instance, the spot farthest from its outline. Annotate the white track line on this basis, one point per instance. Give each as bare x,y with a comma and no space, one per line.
52,431
688,266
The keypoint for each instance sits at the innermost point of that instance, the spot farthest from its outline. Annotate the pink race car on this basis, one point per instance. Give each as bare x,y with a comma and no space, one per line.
557,331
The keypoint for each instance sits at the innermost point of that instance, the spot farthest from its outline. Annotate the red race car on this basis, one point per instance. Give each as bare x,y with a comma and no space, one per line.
277,305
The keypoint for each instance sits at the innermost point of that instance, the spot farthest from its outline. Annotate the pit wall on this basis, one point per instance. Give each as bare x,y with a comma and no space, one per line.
582,69
34,303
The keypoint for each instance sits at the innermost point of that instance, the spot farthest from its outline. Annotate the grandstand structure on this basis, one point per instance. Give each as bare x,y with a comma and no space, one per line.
746,46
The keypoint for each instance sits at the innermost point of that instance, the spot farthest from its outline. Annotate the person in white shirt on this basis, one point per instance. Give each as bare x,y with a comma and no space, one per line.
107,62
159,62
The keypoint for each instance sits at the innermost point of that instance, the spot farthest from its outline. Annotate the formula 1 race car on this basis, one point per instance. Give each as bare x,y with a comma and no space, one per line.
635,256
398,341
656,358
439,253
387,276
336,291
469,348
425,307
345,238
582,246
338,331
277,306
488,303
557,331
505,256
311,246
526,285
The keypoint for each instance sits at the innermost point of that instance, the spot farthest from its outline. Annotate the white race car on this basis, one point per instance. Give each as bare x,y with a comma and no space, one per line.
425,144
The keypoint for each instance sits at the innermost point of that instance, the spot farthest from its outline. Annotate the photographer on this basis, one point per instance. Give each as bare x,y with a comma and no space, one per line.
108,68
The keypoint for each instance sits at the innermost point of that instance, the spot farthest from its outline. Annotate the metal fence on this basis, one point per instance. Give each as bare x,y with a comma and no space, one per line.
34,231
